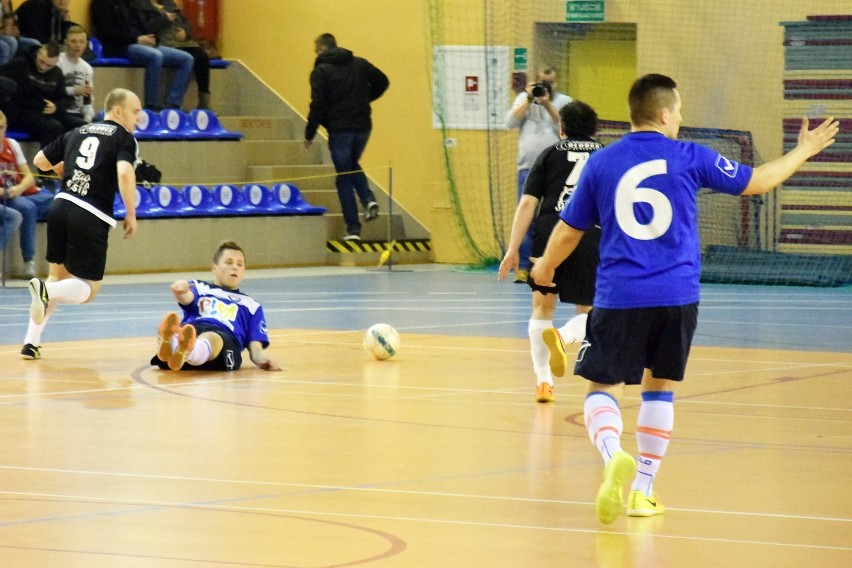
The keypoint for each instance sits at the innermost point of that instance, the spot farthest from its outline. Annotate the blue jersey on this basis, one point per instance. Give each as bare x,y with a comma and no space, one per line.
642,191
232,310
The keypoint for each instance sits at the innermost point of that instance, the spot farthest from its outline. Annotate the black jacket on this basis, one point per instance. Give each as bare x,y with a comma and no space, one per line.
342,88
41,20
35,87
118,24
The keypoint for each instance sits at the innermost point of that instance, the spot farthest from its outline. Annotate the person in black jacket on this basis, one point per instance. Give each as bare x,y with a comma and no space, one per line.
342,88
125,30
44,20
39,105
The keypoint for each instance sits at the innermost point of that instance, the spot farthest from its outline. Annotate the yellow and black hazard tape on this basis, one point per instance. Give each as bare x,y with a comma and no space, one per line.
402,245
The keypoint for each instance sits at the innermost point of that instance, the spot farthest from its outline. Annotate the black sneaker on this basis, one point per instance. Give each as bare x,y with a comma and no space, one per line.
38,305
30,351
371,212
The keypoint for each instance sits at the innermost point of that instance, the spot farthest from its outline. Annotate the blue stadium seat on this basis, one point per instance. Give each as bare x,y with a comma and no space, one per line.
231,199
145,205
166,201
206,124
150,127
119,211
290,197
100,60
201,201
261,200
176,124
18,136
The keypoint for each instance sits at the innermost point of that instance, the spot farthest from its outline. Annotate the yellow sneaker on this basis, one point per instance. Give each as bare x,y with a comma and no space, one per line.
640,505
544,393
610,499
558,356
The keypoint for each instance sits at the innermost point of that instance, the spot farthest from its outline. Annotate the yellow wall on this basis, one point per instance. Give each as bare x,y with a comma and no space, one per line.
275,39
605,83
727,57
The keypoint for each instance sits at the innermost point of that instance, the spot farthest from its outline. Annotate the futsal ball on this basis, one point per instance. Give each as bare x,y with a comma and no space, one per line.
382,341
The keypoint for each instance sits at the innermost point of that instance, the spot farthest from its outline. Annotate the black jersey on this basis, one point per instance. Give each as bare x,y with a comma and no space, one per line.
91,153
555,173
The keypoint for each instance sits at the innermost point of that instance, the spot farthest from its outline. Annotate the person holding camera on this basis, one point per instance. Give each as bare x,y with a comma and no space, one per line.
535,113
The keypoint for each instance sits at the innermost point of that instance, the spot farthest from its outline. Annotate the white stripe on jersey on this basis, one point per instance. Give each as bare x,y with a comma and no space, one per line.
88,207
236,297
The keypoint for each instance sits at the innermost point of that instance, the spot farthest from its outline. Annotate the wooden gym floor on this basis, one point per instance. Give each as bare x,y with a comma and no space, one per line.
436,458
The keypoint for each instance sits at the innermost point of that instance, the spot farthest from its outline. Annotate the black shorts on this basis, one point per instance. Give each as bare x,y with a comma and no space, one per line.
621,344
229,359
574,278
77,239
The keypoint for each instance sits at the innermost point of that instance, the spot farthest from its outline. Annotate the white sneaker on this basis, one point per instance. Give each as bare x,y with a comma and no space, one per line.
29,270
352,238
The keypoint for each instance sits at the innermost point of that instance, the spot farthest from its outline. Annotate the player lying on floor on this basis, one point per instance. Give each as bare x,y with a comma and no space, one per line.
218,321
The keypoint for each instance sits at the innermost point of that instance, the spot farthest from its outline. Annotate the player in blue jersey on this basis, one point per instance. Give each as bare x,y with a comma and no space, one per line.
642,192
548,187
218,321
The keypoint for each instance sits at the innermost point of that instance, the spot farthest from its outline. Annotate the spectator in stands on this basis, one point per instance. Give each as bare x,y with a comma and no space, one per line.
40,103
8,33
43,21
20,193
535,113
178,34
342,88
119,25
79,75
10,220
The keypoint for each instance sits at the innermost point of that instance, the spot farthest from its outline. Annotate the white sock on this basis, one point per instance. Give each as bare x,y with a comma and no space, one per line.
33,336
574,329
69,291
538,350
653,431
200,354
604,424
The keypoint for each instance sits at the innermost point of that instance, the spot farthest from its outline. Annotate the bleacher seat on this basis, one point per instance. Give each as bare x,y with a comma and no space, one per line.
164,201
201,201
150,127
118,210
290,197
144,203
176,124
18,136
100,60
231,199
206,124
261,200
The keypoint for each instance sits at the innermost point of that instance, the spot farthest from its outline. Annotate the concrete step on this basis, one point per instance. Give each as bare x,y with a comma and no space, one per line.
196,161
369,252
304,176
374,230
260,127
281,152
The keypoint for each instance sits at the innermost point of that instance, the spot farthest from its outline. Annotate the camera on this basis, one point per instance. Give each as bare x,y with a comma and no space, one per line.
541,89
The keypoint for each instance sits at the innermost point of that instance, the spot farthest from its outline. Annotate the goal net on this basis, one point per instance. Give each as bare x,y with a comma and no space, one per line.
747,76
